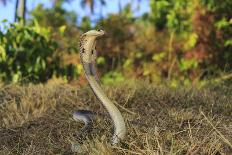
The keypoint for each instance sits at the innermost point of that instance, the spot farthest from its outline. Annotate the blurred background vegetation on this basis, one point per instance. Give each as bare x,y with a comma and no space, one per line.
178,41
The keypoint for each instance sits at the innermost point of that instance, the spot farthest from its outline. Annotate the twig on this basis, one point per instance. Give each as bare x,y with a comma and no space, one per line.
129,111
221,135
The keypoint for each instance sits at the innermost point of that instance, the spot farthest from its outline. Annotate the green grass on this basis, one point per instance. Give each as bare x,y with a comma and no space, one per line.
37,119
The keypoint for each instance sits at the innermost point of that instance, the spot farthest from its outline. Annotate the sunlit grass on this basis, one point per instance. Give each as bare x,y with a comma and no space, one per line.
37,119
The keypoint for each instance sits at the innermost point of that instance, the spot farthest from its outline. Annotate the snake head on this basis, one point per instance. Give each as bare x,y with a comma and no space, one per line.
95,33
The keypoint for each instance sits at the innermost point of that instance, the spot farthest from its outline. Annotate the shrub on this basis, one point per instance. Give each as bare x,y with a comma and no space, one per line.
28,52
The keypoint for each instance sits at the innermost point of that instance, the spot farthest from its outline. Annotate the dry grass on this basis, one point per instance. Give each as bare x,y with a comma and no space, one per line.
37,119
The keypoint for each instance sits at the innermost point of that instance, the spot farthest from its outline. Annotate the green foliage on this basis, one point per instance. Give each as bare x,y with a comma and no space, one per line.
178,40
172,14
85,24
185,65
222,31
139,49
54,17
158,57
28,52
112,77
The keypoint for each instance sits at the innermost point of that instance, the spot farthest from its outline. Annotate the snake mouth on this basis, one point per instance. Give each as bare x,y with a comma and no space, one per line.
101,33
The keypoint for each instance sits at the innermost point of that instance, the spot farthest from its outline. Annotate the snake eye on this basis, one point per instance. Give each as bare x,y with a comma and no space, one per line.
98,30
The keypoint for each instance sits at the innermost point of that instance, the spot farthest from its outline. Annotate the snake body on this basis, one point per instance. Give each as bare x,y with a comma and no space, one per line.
88,57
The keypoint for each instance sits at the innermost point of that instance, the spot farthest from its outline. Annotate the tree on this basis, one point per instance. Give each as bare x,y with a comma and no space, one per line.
20,9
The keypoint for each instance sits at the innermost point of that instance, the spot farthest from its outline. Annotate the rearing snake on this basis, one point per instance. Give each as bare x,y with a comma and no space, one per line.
88,57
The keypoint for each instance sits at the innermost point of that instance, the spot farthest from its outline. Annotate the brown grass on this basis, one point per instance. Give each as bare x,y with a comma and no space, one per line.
37,119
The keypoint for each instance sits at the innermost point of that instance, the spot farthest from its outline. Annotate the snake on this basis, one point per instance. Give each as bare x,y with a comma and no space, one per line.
88,56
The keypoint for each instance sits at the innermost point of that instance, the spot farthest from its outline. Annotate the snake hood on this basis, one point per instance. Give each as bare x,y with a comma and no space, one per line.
88,45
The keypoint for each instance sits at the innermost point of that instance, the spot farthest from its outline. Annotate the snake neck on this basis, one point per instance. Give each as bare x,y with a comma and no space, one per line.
118,121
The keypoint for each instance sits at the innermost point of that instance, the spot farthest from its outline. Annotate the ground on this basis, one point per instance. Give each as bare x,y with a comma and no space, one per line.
37,119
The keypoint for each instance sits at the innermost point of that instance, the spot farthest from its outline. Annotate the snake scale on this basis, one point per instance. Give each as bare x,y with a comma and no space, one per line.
88,55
